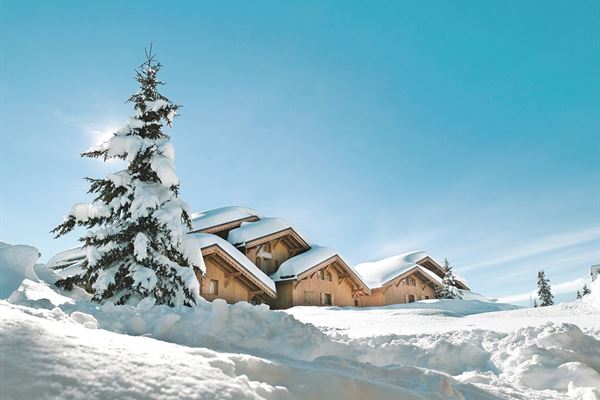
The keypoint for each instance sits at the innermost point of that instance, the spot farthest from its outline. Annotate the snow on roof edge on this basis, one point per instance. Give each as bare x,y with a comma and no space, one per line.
222,215
249,231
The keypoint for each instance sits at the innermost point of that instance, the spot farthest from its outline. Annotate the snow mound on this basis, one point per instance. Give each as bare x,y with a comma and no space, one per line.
16,264
559,357
41,347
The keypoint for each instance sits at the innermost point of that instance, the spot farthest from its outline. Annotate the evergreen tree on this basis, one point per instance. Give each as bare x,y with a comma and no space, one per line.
578,295
137,246
448,289
544,293
586,290
535,303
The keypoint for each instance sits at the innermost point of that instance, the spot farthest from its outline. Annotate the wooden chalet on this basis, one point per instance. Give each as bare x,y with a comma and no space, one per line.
402,279
318,277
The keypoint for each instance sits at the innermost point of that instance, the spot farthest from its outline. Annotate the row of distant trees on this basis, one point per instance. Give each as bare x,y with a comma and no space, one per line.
545,293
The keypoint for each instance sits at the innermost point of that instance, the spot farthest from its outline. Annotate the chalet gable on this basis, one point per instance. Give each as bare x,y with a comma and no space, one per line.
252,234
435,267
405,277
235,264
319,259
379,273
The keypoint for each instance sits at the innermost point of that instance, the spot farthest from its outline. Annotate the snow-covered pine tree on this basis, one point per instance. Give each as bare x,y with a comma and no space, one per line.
578,295
544,293
448,289
137,246
535,303
585,291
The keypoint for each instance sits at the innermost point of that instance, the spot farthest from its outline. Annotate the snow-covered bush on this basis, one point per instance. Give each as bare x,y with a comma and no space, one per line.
138,247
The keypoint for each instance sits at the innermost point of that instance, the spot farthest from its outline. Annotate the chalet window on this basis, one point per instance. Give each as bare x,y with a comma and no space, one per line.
412,282
355,302
213,287
328,276
326,299
320,274
308,297
404,281
411,298
426,297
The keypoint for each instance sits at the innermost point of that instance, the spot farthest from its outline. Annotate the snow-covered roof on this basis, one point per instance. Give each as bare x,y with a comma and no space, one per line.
250,231
207,239
377,273
67,258
295,266
220,216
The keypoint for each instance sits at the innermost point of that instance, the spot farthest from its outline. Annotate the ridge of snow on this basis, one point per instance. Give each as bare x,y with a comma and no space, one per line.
222,215
207,239
249,231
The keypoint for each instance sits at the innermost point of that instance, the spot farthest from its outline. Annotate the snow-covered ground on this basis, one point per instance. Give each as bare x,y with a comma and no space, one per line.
57,344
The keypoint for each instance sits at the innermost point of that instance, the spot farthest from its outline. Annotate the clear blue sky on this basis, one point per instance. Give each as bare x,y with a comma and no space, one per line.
469,129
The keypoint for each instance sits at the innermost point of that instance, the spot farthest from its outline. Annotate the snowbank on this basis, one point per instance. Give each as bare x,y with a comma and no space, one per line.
60,342
16,264
48,355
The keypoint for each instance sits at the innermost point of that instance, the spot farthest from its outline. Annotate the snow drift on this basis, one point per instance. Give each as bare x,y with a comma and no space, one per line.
75,349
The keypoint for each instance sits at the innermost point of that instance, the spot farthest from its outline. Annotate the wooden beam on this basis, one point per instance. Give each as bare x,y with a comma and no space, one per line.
340,281
232,274
298,282
293,251
275,243
253,293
